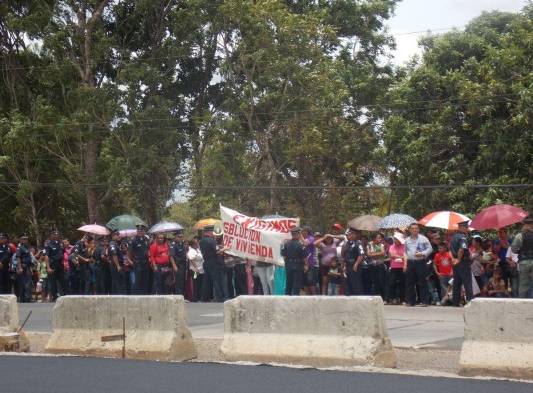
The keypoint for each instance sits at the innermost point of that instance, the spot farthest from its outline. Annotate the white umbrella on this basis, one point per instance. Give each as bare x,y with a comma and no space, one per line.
395,221
166,226
94,229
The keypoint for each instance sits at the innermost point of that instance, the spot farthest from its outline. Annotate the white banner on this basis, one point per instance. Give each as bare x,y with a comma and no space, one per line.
254,238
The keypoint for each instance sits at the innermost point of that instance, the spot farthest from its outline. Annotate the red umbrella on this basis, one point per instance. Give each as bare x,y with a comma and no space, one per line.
498,216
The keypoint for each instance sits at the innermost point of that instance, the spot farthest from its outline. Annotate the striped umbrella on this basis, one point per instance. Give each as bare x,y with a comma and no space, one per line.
443,219
395,221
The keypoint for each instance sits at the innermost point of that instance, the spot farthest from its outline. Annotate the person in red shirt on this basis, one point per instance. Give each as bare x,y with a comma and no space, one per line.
160,262
442,263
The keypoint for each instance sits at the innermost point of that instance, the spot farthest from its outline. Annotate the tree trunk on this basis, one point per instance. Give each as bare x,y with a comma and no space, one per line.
90,175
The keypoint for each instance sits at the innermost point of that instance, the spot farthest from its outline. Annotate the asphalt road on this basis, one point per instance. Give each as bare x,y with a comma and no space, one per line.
23,374
422,327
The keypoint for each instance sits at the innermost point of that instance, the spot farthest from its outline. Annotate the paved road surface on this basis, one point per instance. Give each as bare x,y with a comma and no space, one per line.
22,374
436,327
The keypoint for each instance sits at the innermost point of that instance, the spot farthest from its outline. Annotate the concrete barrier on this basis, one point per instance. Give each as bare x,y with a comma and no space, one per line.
318,331
155,327
498,338
10,338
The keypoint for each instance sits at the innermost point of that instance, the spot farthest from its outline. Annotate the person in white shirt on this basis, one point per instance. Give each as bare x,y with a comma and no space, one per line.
196,265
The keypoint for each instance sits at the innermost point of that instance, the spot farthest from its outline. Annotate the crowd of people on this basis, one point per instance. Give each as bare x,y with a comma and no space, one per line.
403,267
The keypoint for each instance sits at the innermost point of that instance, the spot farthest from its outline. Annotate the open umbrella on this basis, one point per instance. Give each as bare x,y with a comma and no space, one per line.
125,221
443,219
273,217
94,229
127,233
207,221
368,222
498,216
166,226
395,221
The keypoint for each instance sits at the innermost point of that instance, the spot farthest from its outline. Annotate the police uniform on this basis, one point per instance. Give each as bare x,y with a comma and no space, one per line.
462,272
57,278
24,260
179,255
294,254
213,269
5,260
352,250
80,272
139,250
523,246
103,269
118,278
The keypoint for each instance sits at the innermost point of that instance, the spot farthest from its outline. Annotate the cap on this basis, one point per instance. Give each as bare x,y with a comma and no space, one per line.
178,232
337,226
209,228
55,232
114,231
353,230
528,220
463,223
295,230
141,226
23,236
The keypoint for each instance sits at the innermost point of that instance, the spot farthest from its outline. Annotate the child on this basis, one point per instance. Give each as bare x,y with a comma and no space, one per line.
496,285
43,278
443,267
334,278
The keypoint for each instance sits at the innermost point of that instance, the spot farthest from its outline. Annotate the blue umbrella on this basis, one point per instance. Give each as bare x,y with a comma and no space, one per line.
395,221
166,226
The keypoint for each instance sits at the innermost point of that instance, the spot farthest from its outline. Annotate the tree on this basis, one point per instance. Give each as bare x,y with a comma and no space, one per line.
463,116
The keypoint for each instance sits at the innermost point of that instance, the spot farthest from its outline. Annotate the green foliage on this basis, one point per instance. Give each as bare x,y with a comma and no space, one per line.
466,119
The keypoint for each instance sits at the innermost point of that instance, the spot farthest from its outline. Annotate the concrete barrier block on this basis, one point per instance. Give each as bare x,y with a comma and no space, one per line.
9,313
11,339
155,327
498,338
319,331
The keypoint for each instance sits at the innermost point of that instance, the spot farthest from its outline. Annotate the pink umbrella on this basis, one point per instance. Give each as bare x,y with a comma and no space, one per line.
444,219
127,232
498,216
94,229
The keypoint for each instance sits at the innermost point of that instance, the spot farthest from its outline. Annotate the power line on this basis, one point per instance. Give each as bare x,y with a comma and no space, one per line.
506,98
122,63
256,187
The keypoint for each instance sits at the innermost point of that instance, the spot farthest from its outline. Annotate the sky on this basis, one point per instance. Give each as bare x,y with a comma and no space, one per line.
423,15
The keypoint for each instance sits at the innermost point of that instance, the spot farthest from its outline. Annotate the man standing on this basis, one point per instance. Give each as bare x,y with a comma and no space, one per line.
103,269
24,259
138,254
178,257
5,260
295,254
418,249
213,269
523,246
462,272
53,252
118,279
352,258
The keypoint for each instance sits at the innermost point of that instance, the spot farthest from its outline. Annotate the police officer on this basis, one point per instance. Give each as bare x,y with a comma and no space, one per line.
80,272
295,256
212,267
138,254
462,272
5,260
523,246
352,257
54,253
24,260
178,258
102,267
118,279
